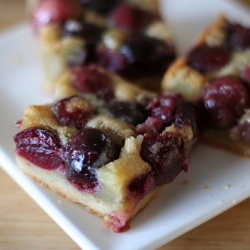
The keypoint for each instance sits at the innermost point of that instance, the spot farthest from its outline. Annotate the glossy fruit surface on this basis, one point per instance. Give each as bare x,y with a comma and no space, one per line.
239,36
205,58
129,112
165,154
93,80
88,150
224,101
55,11
39,146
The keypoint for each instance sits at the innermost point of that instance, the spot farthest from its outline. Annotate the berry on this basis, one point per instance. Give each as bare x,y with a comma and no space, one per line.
90,32
164,107
142,185
39,146
224,101
188,115
137,55
110,59
55,11
138,47
88,150
130,18
161,113
130,112
239,36
93,80
207,59
72,111
152,127
165,154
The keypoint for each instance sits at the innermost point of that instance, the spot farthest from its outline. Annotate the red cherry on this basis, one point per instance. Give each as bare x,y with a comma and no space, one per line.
208,59
130,18
55,11
93,80
224,101
39,146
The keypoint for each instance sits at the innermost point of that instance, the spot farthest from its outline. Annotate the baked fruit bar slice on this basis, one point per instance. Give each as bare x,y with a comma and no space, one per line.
125,37
106,144
215,75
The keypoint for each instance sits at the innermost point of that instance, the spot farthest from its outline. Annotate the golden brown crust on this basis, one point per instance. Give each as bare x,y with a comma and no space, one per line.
213,34
183,79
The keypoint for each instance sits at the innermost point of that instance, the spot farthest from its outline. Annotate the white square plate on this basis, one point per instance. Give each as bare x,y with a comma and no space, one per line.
217,180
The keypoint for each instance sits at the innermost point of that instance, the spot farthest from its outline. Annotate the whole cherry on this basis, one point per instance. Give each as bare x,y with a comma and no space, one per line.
55,11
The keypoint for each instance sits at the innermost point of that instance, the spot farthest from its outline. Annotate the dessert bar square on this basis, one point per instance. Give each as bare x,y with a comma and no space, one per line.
107,144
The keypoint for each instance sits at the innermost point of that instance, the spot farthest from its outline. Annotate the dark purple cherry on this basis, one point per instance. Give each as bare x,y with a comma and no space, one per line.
91,34
110,59
88,150
165,155
151,128
239,36
93,80
207,59
89,31
129,112
137,47
224,101
164,107
72,111
39,146
161,113
188,115
142,185
138,55
130,18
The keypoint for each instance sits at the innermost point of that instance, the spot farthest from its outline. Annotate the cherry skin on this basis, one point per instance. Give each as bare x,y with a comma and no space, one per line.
39,146
72,111
55,11
130,18
165,154
208,59
129,112
93,80
224,101
88,150
239,36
